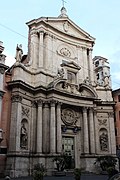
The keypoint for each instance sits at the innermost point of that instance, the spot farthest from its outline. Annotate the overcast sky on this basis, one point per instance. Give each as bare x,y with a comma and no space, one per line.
100,18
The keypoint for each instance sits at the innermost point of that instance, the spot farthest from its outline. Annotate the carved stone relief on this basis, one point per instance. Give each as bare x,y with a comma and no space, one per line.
69,116
65,52
24,135
25,111
102,122
103,139
16,98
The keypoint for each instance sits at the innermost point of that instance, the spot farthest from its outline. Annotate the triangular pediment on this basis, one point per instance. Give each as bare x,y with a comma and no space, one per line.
63,25
67,26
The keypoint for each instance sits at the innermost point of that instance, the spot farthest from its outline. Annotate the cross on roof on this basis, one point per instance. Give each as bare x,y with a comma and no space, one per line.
63,1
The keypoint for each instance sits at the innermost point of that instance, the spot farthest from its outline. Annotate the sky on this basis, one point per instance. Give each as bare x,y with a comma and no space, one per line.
99,18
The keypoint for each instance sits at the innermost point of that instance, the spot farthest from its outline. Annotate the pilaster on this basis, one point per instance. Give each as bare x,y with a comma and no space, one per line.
59,135
41,33
39,126
15,123
52,128
46,131
34,49
85,125
112,133
92,132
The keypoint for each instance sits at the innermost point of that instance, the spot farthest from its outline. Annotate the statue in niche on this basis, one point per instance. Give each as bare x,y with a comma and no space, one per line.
19,53
23,137
104,142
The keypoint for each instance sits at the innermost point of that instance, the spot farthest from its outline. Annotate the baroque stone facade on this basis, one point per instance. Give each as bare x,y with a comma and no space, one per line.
59,103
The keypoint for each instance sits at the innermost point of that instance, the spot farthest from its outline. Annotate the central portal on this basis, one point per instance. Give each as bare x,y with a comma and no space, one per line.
68,148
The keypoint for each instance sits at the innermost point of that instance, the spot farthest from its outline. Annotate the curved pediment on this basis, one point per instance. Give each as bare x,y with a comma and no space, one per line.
87,89
82,90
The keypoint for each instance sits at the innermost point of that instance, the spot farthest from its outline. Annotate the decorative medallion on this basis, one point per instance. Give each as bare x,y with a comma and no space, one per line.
65,52
69,116
66,26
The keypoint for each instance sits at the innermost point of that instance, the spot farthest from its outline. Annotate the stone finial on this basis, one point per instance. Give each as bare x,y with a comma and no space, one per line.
63,12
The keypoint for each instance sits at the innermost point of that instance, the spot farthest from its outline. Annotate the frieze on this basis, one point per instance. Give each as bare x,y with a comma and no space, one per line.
25,111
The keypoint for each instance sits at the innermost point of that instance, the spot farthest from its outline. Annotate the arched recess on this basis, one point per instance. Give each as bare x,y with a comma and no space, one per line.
24,134
103,139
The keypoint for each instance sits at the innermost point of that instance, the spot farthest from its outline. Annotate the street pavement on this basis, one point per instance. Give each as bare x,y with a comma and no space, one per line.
83,177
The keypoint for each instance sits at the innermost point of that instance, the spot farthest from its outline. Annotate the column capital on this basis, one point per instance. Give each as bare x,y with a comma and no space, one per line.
40,102
110,114
59,104
84,109
16,98
53,102
33,104
91,109
41,32
46,103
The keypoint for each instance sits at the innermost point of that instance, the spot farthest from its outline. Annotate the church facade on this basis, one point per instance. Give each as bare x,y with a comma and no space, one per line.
59,99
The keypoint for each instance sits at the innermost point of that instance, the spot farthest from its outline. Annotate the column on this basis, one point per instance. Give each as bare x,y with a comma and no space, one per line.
15,123
92,132
112,133
41,33
91,71
39,127
48,52
46,131
34,49
33,127
85,61
97,147
85,125
52,128
59,135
